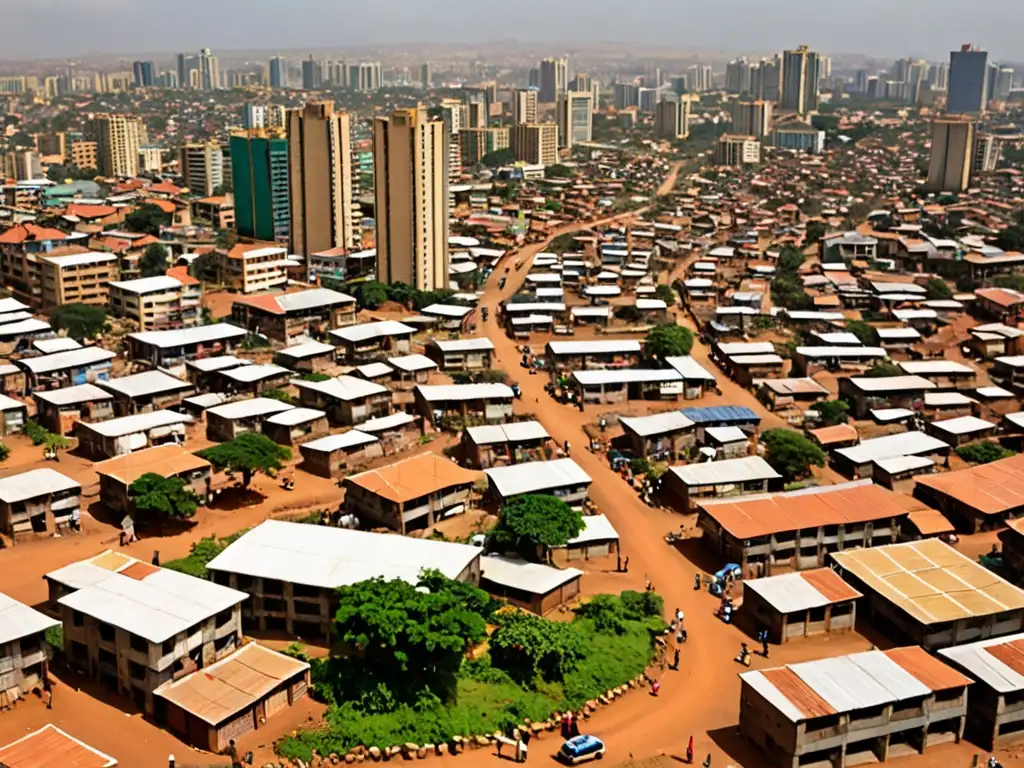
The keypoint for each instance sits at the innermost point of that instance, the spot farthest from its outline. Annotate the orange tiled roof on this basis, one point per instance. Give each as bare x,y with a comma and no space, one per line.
182,276
84,211
165,188
23,232
164,205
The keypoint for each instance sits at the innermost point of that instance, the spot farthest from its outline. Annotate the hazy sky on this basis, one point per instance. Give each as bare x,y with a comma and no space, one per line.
890,28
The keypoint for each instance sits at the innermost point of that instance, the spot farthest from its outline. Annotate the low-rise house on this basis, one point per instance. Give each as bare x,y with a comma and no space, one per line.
984,497
859,460
51,742
729,477
519,441
867,394
13,415
24,652
564,357
780,394
166,348
1001,304
620,385
810,360
865,706
226,422
410,494
292,571
85,365
660,435
367,342
204,372
347,400
468,403
835,436
721,416
253,379
40,501
597,539
287,317
945,374
955,600
126,434
157,303
450,317
118,474
410,370
696,379
961,430
1009,371
223,702
899,473
60,409
537,588
146,391
995,340
133,626
307,357
296,426
803,604
727,442
561,478
898,342
397,432
461,354
334,456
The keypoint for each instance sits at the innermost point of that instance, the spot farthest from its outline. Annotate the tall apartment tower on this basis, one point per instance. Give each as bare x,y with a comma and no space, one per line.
320,178
535,143
752,118
968,82
554,79
118,139
575,113
524,106
410,168
737,76
278,72
672,118
426,76
952,153
144,74
202,167
259,167
801,71
312,74
209,71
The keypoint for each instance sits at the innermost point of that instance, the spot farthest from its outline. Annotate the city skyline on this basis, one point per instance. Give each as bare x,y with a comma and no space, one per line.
60,28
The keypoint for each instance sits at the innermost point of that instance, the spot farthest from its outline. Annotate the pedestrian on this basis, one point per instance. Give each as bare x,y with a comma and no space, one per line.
764,643
689,751
566,447
526,744
679,615
655,688
696,582
518,739
675,659
618,562
603,424
120,538
233,754
679,637
625,565
707,761
48,690
156,558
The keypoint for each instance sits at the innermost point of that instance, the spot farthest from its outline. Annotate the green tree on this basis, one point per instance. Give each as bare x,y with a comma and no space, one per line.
665,293
983,453
5,452
498,158
790,453
815,232
883,370
471,597
533,522
938,289
248,453
669,340
1012,238
553,205
833,412
81,321
371,295
166,496
1013,282
865,334
226,239
531,649
147,219
154,260
563,243
558,171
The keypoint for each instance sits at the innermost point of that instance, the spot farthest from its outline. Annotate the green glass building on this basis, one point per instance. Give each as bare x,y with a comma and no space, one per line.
259,165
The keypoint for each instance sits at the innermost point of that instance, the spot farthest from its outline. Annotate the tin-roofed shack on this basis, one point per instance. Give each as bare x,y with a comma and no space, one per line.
118,474
660,435
729,477
50,747
347,400
797,530
531,586
39,501
367,342
177,346
790,605
564,357
335,455
562,478
461,354
228,421
60,409
24,653
291,315
977,498
146,391
928,593
864,707
867,394
458,405
490,445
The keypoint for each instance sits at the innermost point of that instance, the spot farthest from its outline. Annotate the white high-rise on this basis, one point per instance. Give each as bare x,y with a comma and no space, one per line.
575,118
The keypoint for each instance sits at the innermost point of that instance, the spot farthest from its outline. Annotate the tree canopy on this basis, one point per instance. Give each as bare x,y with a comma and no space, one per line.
983,452
371,294
833,412
147,219
248,453
533,522
882,370
787,288
564,242
153,261
790,453
166,496
529,648
558,171
81,321
665,293
865,334
669,340
1012,238
938,289
498,158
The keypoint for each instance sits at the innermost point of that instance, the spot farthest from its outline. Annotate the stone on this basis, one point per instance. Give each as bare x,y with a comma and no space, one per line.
360,757
350,758
482,741
537,727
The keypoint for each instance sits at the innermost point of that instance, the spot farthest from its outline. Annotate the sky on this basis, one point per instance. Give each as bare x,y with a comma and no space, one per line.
884,28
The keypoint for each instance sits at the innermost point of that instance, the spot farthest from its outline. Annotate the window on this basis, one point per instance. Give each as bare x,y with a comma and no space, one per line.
139,644
107,633
77,619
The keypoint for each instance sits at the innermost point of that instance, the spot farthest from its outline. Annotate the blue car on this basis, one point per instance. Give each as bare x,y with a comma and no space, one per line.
581,748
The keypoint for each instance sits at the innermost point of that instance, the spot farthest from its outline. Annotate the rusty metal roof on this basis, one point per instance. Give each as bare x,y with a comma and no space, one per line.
990,488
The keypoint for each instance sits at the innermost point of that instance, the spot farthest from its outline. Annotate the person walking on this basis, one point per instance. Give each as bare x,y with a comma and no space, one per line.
675,660
707,761
764,642
518,739
689,751
655,688
696,582
625,565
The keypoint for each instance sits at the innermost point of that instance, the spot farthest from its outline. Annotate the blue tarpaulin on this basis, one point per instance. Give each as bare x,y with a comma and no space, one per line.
724,415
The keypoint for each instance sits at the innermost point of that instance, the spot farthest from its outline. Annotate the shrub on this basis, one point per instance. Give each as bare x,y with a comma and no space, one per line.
201,553
833,412
790,453
983,453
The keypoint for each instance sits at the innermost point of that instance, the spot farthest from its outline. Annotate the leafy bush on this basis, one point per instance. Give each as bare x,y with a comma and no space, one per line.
865,333
833,412
5,452
669,340
790,453
278,394
938,289
532,521
639,466
166,496
54,637
315,377
201,553
81,321
983,453
883,370
530,648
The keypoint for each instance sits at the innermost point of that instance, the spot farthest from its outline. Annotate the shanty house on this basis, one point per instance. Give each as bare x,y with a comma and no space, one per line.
106,439
561,478
489,445
867,394
308,357
470,403
85,365
728,477
791,605
334,456
859,461
205,372
228,421
296,426
531,586
621,384
347,400
60,409
564,357
41,501
176,346
367,342
978,498
13,415
597,539
461,354
659,435
24,652
118,474
288,316
146,391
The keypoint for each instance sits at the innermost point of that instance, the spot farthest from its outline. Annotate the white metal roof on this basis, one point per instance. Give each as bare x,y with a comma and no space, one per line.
516,431
156,607
350,439
993,392
480,344
889,446
62,361
946,399
344,387
246,409
367,331
384,423
656,424
296,416
596,528
246,374
374,370
481,391
898,288
218,363
140,422
82,393
645,304
18,620
898,464
590,312
727,472
206,400
59,344
891,414
147,284
533,578
200,334
307,349
626,376
837,338
964,425
327,557
12,305
859,353
924,367
982,665
35,482
412,363
9,403
915,314
25,326
898,334
313,298
891,383
730,349
146,383
602,290
689,368
609,347
788,592
536,477
447,310
77,259
726,434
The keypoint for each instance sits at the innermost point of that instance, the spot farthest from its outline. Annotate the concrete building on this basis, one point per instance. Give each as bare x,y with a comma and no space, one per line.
277,72
251,268
799,137
41,501
561,478
954,600
291,315
533,587
672,119
733,149
554,79
575,118
347,400
752,118
24,652
117,475
791,605
133,626
524,106
801,73
60,409
84,154
320,179
841,711
952,154
734,477
157,303
411,196
118,138
79,278
535,143
146,391
968,82
120,436
476,143
202,168
291,571
169,348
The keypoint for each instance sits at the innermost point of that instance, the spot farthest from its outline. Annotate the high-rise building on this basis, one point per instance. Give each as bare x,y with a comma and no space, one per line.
144,74
625,95
733,149
673,118
938,76
554,79
320,173
575,114
365,76
312,74
21,165
475,143
411,199
535,143
186,65
84,154
202,167
259,165
278,72
524,105
478,106
168,79
118,138
986,153
426,76
52,145
454,115
677,83
580,83
801,73
700,78
737,76
952,154
968,82
752,118
534,78
1004,84
209,71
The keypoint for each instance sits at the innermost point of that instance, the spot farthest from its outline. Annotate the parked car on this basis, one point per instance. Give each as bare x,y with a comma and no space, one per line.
581,748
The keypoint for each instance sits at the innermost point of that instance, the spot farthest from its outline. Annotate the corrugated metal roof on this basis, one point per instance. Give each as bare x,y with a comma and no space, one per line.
18,620
989,488
790,592
982,660
50,747
721,413
592,347
741,470
536,477
890,446
534,578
